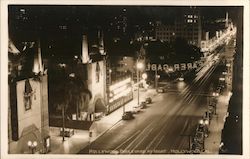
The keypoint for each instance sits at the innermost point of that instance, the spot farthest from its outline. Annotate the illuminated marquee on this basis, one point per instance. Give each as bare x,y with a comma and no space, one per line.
174,67
120,89
119,94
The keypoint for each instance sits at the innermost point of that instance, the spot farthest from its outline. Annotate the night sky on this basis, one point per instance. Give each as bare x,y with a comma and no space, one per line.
100,14
44,21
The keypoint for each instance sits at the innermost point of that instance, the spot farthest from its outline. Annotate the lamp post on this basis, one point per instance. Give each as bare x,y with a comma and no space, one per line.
63,122
32,146
214,97
156,80
62,65
139,66
110,74
204,124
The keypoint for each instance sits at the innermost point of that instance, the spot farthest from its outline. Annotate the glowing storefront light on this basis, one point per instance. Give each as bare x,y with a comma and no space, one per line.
222,79
120,89
121,94
119,84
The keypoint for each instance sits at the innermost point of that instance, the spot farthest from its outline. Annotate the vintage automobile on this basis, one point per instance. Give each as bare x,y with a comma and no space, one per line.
148,100
162,90
127,115
143,105
136,109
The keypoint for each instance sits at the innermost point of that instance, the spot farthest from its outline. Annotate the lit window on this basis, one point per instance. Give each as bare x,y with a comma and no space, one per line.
63,27
190,21
190,16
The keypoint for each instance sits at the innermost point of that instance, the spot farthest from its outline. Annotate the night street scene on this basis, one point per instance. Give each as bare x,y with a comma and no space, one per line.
119,80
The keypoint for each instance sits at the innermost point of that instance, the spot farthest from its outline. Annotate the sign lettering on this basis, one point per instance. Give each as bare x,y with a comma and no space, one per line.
175,67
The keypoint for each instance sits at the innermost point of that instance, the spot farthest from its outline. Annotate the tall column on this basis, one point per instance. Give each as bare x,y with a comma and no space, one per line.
85,53
101,42
38,66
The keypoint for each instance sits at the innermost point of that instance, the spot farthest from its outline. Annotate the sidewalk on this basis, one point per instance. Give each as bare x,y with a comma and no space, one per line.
212,142
81,138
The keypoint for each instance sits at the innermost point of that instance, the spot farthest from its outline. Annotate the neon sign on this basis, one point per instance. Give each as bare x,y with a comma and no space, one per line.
174,67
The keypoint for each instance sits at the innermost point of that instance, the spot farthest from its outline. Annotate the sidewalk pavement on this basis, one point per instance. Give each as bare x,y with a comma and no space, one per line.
81,138
212,142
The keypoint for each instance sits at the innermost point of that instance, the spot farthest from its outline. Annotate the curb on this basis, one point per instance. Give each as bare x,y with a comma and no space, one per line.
101,134
154,94
108,129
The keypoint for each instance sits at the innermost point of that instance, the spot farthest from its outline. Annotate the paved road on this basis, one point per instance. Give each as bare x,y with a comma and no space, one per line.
164,127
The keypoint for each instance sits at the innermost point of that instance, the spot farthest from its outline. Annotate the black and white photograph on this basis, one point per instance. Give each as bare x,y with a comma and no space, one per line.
94,80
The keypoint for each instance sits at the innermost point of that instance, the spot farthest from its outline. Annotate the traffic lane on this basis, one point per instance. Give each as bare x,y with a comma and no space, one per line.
125,132
178,137
174,124
154,115
173,135
160,136
190,117
119,134
162,104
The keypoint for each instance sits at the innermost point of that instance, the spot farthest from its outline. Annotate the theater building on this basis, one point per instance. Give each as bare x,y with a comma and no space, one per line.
28,103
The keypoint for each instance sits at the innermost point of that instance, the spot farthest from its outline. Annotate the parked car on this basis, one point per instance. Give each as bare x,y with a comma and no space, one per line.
127,115
136,109
162,90
148,100
143,105
181,79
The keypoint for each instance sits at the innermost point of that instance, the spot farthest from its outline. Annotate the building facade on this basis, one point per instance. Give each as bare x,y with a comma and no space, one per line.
187,26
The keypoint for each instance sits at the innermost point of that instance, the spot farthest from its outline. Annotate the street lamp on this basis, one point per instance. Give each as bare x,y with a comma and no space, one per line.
110,75
204,124
144,76
139,67
214,97
32,146
63,65
156,80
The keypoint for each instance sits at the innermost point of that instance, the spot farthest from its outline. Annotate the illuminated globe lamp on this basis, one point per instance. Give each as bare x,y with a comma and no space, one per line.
139,65
110,71
144,76
32,146
206,122
215,94
201,122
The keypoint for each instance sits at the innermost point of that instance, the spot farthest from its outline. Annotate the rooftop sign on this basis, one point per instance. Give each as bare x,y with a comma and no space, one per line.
174,67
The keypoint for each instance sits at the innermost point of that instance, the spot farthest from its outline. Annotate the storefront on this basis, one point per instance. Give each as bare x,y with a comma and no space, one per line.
119,94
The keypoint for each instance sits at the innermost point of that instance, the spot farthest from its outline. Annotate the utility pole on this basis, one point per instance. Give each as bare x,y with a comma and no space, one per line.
138,83
63,120
156,80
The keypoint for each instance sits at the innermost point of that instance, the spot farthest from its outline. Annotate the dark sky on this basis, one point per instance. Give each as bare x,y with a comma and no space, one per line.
101,14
